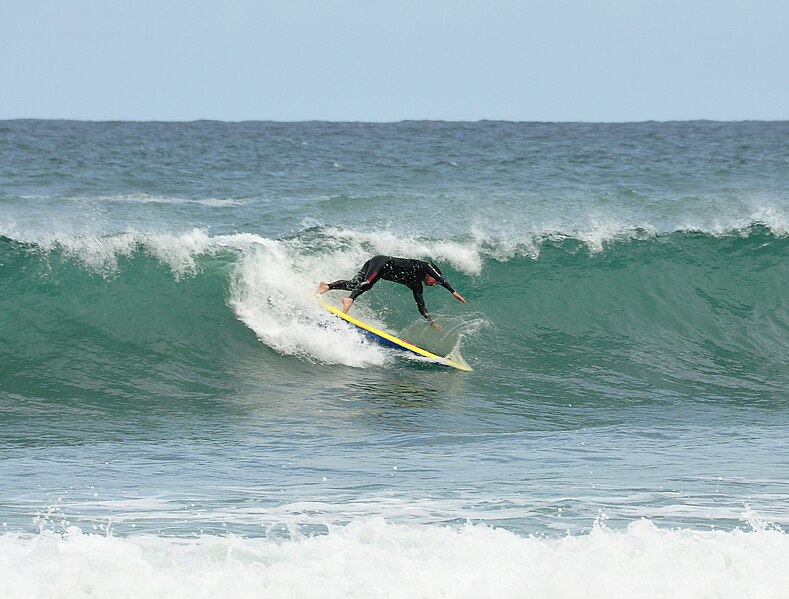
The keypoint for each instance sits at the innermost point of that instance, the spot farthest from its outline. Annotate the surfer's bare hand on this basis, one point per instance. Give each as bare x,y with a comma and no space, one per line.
435,325
459,297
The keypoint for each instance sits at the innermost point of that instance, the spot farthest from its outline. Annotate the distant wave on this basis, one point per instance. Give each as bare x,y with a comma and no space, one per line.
145,198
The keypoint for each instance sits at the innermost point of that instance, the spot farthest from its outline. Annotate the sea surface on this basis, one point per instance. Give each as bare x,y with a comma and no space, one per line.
179,418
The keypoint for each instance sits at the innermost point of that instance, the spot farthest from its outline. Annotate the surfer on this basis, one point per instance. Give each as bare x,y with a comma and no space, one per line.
408,272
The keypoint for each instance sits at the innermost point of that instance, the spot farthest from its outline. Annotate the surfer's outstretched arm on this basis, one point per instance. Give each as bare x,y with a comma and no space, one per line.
446,285
420,303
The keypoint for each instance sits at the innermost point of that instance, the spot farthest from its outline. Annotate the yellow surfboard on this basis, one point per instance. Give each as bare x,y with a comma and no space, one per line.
388,340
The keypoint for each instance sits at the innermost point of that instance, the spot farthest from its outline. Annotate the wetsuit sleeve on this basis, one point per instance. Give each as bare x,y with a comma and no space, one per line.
420,303
441,280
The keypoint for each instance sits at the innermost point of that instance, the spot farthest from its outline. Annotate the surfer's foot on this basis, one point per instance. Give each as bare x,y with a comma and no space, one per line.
346,304
322,288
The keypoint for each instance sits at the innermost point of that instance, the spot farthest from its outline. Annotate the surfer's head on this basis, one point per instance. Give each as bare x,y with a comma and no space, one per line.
430,280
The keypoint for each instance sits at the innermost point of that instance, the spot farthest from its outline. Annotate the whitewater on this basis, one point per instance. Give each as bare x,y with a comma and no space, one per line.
178,416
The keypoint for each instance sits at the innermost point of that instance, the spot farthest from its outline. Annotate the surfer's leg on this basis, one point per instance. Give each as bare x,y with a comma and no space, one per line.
350,284
365,278
373,267
363,281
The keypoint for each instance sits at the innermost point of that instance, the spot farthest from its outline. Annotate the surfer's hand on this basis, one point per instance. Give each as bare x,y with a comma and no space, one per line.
458,297
435,325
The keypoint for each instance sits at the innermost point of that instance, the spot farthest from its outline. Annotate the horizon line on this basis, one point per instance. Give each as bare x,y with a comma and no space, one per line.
394,122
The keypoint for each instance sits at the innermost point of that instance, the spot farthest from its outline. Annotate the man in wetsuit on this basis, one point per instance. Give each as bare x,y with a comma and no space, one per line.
411,273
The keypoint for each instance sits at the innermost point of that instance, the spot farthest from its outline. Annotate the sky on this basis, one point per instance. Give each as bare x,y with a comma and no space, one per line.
392,60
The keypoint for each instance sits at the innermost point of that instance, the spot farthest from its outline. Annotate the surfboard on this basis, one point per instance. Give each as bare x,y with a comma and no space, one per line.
388,340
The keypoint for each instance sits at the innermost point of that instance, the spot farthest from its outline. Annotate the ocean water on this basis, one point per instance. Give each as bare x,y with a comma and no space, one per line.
179,418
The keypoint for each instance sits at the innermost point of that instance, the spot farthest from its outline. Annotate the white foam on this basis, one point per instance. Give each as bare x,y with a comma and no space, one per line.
101,253
464,256
9,227
273,285
342,251
144,198
774,218
272,292
373,558
179,251
97,253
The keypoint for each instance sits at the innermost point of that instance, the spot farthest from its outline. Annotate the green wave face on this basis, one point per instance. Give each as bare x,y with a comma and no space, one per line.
135,332
684,313
687,313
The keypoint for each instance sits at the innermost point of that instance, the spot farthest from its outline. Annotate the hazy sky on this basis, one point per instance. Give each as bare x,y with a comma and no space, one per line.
388,60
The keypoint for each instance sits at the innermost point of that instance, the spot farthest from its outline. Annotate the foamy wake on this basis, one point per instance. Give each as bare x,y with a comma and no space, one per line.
373,558
272,292
273,286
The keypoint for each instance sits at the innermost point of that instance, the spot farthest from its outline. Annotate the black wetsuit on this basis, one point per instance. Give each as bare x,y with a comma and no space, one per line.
405,271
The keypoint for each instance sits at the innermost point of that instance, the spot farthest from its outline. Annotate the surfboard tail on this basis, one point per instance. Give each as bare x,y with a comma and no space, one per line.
455,360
